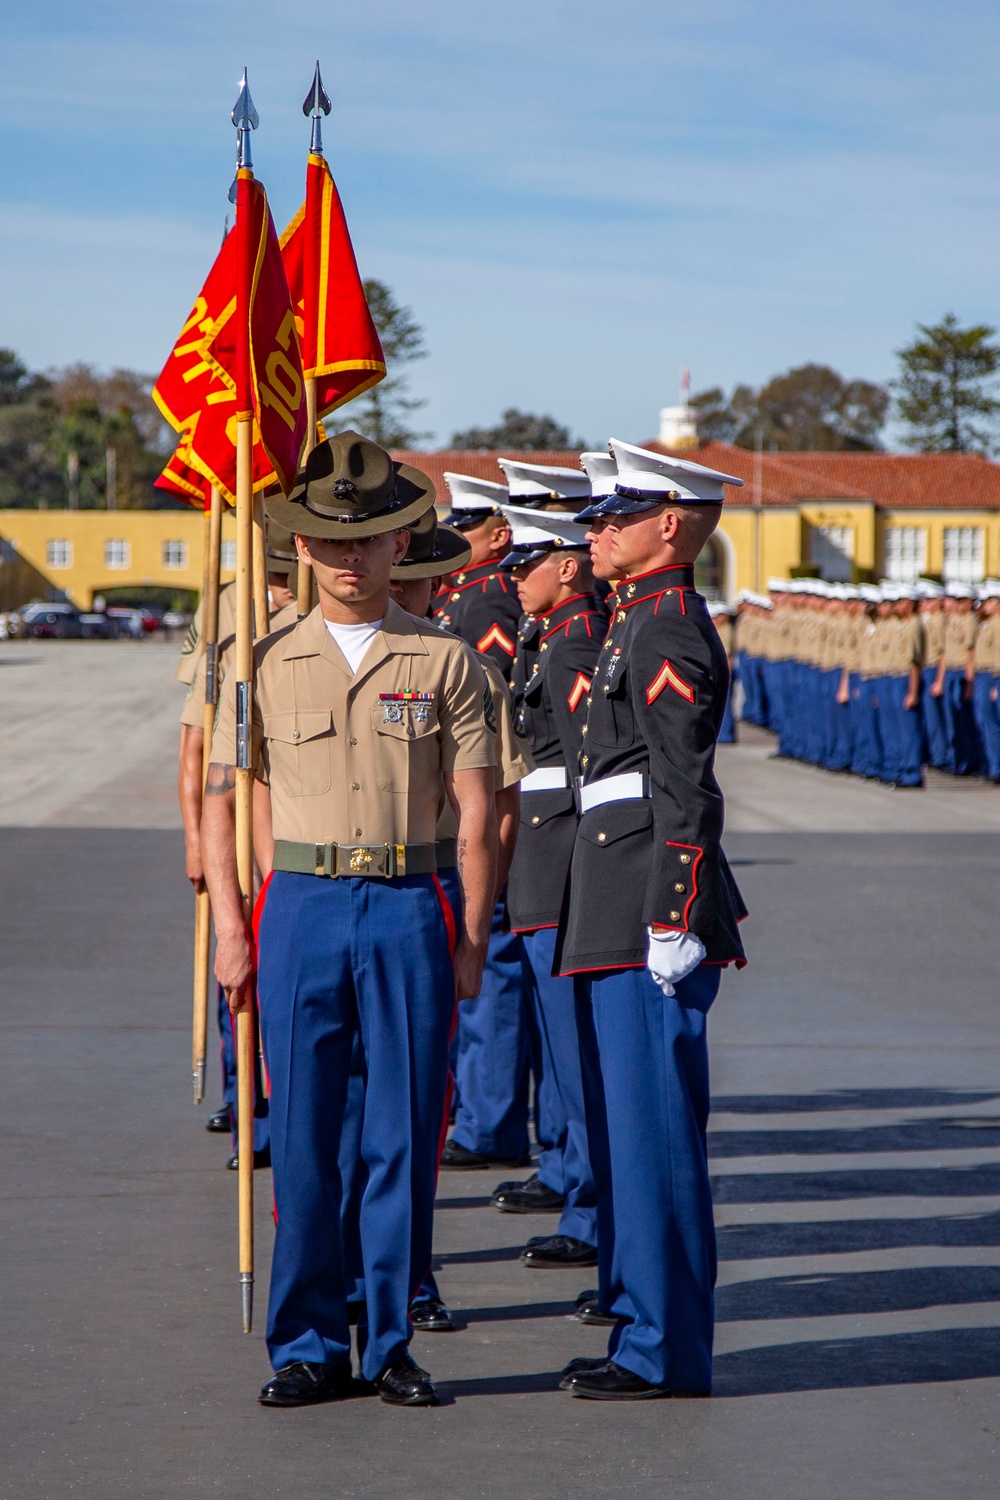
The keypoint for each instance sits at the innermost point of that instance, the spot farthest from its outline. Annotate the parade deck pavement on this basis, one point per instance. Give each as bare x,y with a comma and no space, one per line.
855,1151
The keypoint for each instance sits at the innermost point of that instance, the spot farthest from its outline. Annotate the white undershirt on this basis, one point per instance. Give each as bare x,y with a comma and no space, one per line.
354,640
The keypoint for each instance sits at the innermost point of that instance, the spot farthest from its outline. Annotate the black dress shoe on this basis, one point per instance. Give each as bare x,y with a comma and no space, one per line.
303,1384
611,1383
430,1316
221,1122
260,1159
404,1383
589,1310
530,1197
577,1367
559,1250
455,1158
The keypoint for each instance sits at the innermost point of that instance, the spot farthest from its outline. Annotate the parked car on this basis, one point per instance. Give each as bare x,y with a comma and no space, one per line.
126,623
97,627
50,622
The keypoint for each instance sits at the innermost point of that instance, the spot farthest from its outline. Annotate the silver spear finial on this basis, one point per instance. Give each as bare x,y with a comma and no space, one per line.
317,103
245,118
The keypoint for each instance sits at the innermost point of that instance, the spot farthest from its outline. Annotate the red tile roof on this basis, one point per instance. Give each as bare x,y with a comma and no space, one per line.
892,481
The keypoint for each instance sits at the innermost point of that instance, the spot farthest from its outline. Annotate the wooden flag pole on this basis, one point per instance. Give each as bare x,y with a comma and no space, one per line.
261,604
315,106
203,917
245,119
304,587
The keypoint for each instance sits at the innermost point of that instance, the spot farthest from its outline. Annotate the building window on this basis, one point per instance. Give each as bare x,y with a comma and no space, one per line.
710,570
831,549
963,554
59,553
905,553
117,554
175,554
227,557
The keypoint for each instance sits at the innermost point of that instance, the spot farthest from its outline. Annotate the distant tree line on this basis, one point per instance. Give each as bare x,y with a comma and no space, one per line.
75,437
67,434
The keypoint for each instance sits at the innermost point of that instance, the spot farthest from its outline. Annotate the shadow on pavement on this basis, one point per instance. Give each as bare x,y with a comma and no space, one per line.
825,1294
877,1182
514,1314
845,1236
913,1135
843,1364
500,1385
788,1104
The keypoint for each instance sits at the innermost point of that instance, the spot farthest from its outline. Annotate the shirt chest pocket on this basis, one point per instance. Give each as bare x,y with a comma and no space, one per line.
300,750
610,720
407,744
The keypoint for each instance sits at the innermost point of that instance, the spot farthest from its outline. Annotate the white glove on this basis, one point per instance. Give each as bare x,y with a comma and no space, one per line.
673,956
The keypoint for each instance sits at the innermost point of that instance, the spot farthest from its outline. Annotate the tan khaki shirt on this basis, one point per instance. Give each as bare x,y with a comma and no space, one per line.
193,649
904,647
346,761
514,760
959,638
193,712
933,637
855,627
987,647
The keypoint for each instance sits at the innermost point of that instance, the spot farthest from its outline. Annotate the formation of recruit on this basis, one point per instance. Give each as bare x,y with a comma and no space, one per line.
490,895
450,804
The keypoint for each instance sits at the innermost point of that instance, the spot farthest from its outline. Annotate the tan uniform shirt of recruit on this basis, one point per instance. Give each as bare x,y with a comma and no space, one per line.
904,647
193,649
959,639
987,647
193,712
346,760
933,638
514,760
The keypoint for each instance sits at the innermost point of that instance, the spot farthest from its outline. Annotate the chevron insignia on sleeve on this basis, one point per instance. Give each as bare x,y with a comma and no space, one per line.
580,686
666,675
495,637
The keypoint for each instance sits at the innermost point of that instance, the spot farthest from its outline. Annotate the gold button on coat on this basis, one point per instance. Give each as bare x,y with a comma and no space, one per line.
675,916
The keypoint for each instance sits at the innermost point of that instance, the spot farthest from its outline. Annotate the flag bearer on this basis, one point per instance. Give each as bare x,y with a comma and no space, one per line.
363,718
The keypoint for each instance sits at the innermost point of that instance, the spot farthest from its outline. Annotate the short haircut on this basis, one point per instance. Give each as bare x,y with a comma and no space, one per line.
697,523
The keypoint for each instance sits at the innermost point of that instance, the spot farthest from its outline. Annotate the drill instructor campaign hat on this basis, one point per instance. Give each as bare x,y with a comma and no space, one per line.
435,549
350,487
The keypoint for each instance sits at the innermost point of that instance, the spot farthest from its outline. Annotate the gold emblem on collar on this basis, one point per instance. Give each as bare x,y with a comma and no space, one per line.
630,590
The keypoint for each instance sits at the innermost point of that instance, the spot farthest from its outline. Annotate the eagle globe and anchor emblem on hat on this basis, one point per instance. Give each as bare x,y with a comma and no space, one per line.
350,487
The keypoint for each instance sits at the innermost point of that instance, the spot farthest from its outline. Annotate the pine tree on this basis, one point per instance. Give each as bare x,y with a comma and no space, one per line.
945,385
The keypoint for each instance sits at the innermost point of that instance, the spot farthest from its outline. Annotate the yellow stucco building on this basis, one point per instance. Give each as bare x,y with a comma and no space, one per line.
843,515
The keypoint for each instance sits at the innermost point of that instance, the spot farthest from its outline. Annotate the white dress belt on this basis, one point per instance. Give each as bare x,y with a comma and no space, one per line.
622,788
545,779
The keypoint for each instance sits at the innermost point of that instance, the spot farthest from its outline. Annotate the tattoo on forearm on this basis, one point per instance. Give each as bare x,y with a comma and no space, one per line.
461,851
220,780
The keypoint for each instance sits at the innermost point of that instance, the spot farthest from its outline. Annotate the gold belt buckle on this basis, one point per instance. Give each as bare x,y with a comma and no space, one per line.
360,859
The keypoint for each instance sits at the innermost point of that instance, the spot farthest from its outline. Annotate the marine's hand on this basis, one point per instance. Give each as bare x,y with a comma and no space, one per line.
193,867
234,967
469,960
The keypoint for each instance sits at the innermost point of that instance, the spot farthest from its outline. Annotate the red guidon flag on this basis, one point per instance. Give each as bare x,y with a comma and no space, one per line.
340,344
182,480
275,363
196,390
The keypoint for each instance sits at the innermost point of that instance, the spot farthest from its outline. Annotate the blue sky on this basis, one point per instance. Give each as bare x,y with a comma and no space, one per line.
574,198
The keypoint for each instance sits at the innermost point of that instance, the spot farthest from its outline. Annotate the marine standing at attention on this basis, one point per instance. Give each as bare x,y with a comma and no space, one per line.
363,718
650,918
